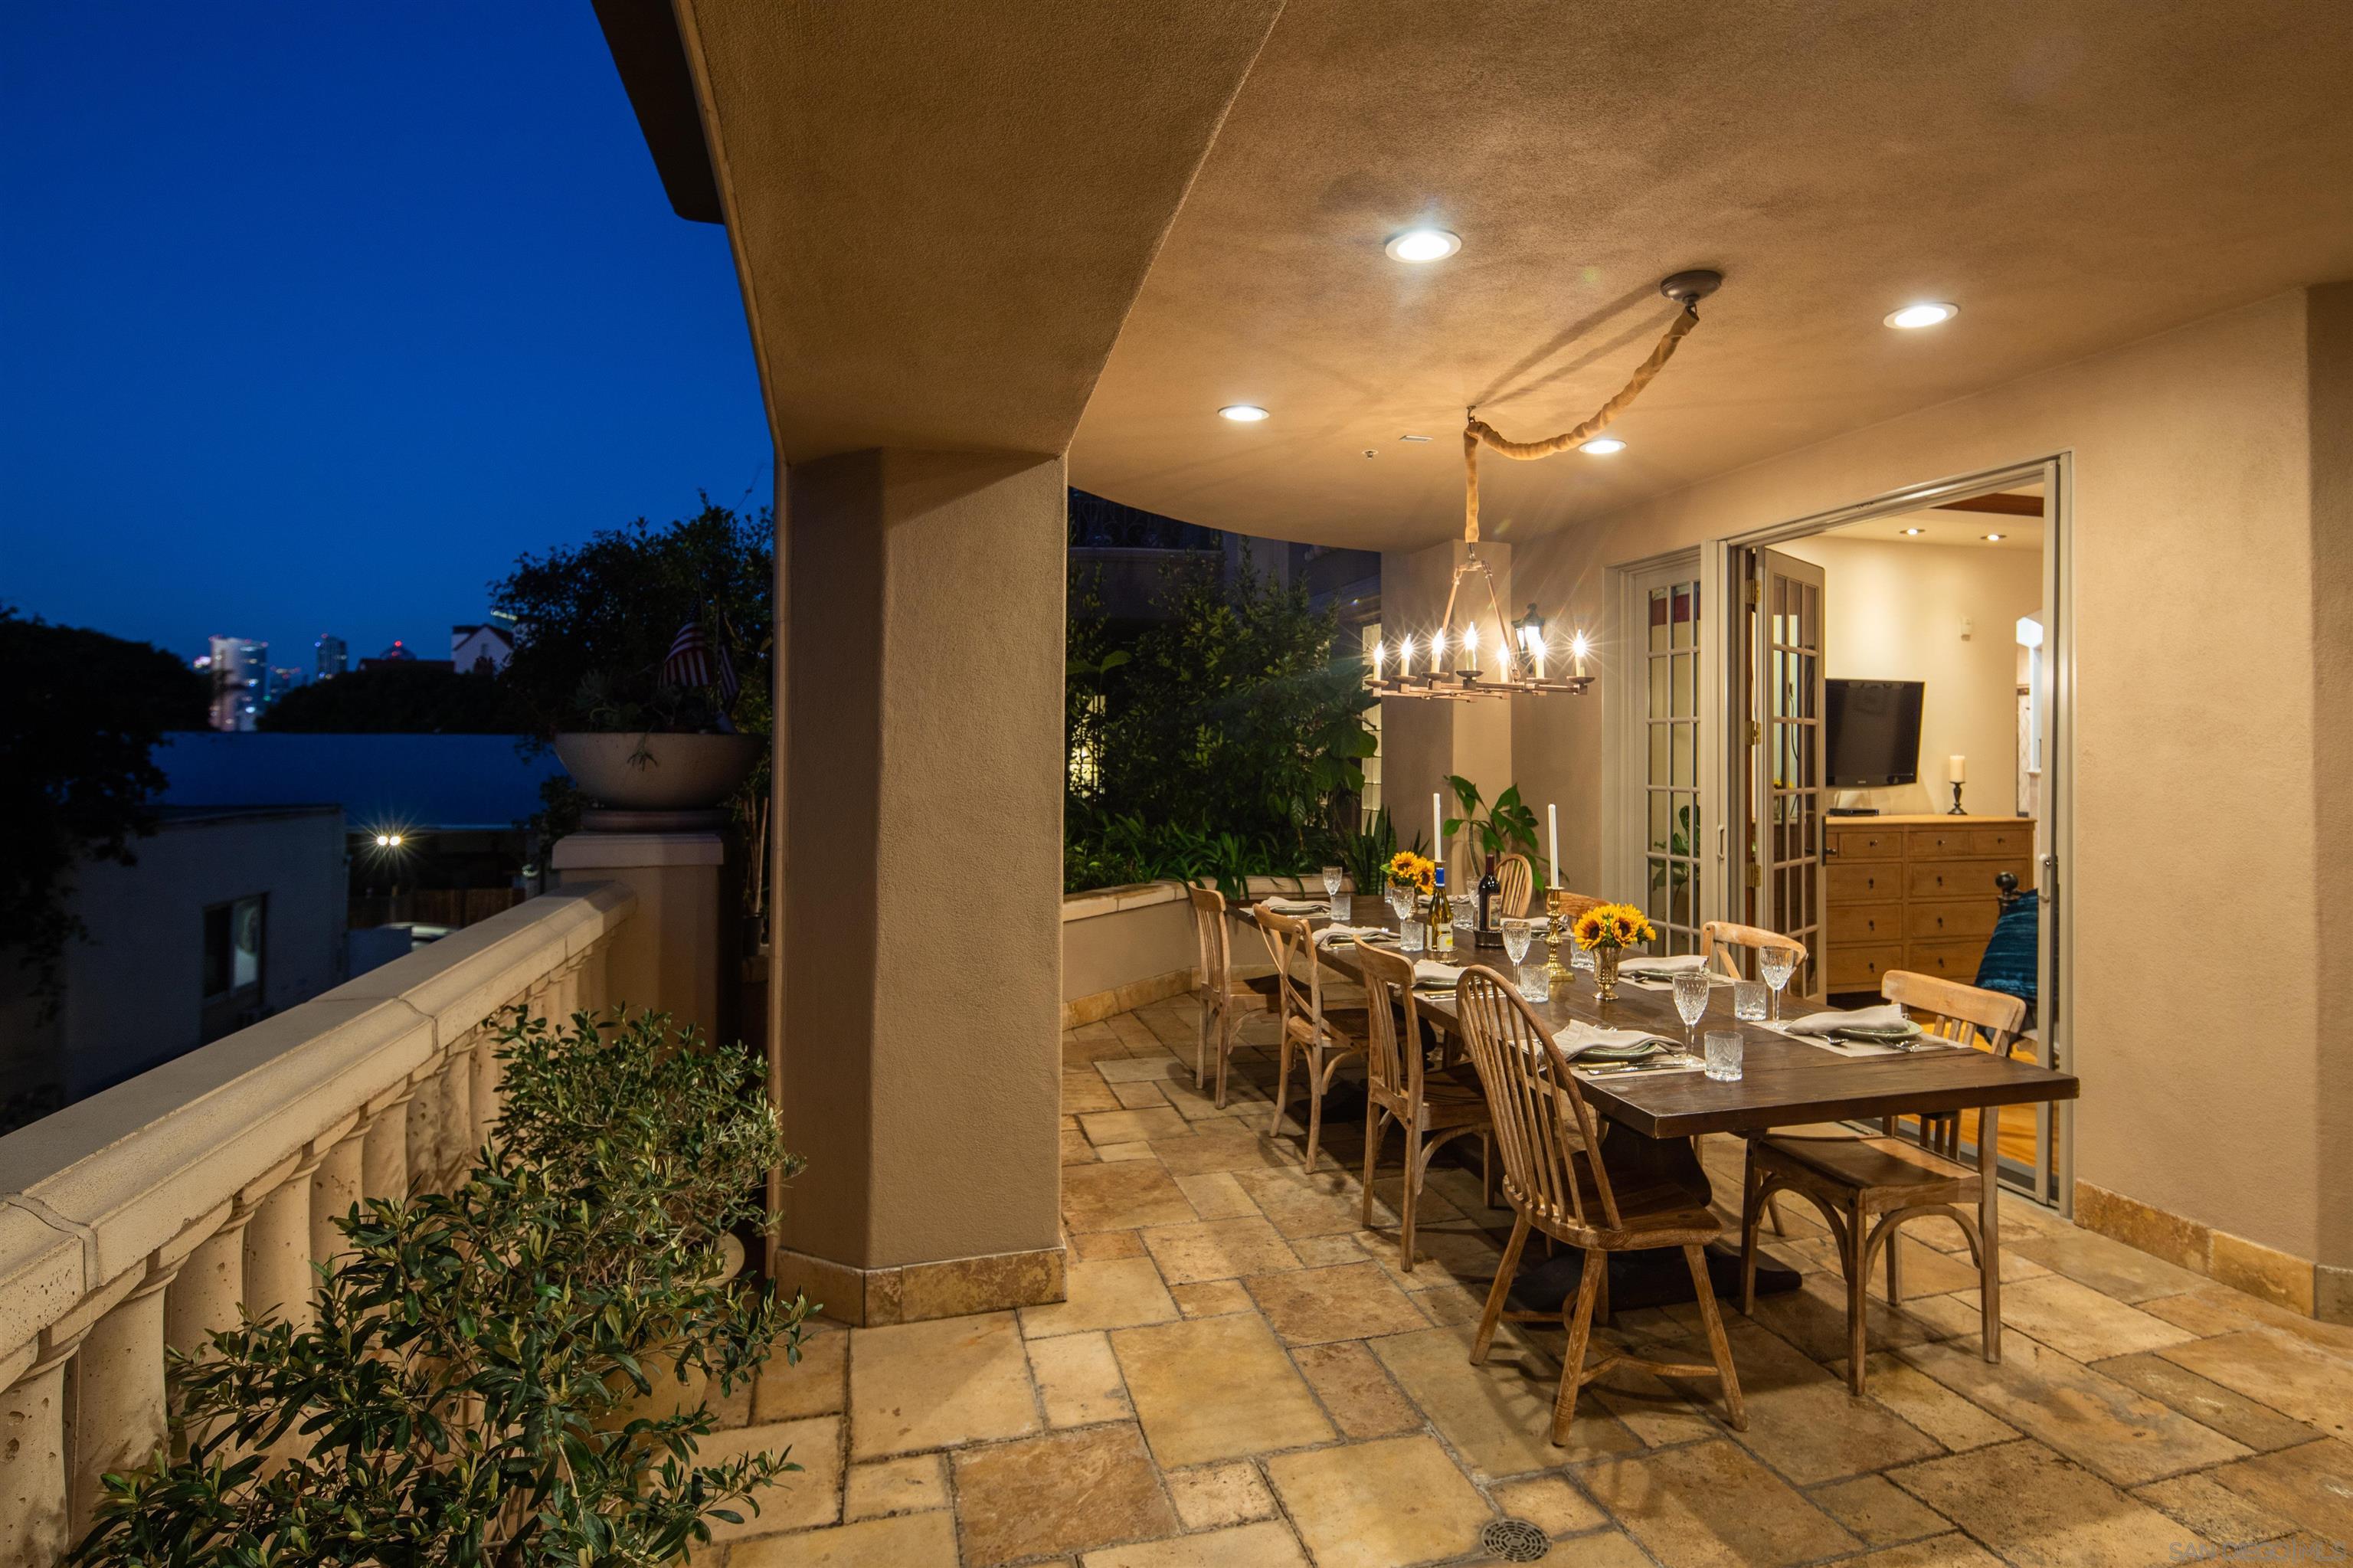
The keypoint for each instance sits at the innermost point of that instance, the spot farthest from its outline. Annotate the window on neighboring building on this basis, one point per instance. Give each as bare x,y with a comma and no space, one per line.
232,971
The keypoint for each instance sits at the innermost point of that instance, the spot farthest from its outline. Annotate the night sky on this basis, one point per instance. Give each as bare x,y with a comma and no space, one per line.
313,317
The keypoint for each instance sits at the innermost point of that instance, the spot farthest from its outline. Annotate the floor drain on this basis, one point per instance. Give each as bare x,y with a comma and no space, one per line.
1514,1541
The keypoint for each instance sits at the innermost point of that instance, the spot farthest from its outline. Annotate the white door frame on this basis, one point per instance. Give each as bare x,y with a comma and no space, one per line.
1624,776
2056,830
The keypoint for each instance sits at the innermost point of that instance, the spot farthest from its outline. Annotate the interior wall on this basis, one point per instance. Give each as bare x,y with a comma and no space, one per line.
1893,611
2330,361
2192,605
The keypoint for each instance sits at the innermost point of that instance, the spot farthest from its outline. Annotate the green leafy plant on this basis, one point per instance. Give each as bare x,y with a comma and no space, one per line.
1366,852
1508,825
479,1386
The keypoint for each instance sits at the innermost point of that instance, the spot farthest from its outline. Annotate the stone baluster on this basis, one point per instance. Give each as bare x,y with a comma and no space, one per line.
384,1146
202,1299
278,1247
116,1415
453,1140
488,1078
425,1108
336,1186
33,1488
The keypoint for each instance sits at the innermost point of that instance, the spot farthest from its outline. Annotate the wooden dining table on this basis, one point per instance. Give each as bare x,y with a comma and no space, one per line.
1655,1117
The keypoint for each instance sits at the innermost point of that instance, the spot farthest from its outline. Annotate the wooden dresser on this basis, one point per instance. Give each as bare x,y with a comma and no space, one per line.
1916,893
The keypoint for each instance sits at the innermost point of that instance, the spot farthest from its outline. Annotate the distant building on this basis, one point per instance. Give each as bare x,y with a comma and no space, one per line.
478,647
402,654
332,657
283,678
240,668
231,913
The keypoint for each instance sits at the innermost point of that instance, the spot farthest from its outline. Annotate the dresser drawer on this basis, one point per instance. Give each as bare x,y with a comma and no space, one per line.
1861,968
1866,843
2009,842
1946,961
1961,878
1937,844
1865,881
1865,925
1949,920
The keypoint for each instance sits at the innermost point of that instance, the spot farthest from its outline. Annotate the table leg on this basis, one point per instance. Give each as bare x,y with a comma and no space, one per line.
1990,1227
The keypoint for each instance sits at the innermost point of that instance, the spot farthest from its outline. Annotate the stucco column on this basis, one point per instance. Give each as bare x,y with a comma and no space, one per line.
919,980
116,1387
33,1461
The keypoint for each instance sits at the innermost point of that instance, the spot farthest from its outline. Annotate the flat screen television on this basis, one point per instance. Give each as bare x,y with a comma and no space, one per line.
1873,737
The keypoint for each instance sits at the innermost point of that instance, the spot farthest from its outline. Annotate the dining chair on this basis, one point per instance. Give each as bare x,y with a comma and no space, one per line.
1919,993
1322,1037
1868,1187
1517,881
1222,996
1556,1180
1726,936
1434,1107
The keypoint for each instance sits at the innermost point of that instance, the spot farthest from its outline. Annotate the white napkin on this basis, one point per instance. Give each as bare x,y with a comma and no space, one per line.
1581,1036
1432,969
1333,933
1660,966
1296,906
1885,1016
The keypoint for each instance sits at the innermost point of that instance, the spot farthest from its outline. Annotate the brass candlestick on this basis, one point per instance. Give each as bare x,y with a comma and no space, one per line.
1556,903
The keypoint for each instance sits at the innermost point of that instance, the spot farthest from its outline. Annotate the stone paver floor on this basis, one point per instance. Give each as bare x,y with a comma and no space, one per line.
1243,1376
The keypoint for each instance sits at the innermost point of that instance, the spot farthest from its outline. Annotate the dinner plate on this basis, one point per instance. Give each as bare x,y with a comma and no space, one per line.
1877,1033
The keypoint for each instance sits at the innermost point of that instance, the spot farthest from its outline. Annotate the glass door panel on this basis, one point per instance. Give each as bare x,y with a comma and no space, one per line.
1787,769
1670,752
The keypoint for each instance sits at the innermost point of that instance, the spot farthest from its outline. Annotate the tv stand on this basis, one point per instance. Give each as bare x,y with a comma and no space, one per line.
1916,893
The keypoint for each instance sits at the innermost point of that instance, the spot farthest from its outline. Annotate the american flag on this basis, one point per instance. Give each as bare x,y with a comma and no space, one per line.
694,659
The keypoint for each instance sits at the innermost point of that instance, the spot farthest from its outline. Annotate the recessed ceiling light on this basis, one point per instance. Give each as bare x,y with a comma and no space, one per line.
1602,446
1925,315
1424,245
1995,539
1909,531
1242,413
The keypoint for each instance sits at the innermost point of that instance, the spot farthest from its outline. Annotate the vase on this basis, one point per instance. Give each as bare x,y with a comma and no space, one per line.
1605,974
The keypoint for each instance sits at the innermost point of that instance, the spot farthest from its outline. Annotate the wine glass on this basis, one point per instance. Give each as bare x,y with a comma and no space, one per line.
1519,936
1776,964
1332,876
1691,1000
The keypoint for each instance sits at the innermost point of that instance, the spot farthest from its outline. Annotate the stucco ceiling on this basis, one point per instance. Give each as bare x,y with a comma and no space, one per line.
2075,174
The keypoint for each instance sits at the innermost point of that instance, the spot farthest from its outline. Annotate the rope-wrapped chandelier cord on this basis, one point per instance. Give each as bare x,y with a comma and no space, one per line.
1478,430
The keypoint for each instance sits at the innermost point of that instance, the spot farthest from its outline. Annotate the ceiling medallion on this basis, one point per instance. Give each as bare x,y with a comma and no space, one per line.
1450,660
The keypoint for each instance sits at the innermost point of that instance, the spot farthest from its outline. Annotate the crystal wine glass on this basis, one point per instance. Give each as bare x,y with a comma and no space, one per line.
1517,935
1333,875
1691,1000
1776,964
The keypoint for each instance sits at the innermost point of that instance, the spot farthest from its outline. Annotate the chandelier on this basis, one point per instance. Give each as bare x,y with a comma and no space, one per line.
1450,659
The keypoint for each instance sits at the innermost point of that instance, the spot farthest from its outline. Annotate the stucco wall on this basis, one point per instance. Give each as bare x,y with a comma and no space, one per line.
2194,765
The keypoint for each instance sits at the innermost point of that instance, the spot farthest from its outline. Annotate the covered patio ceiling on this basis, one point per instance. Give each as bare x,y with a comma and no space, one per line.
2075,176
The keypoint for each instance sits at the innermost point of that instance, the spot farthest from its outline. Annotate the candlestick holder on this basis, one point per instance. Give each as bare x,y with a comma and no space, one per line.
1556,901
1956,811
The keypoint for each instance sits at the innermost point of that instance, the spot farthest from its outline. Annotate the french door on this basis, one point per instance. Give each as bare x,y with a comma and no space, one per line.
1785,796
1671,842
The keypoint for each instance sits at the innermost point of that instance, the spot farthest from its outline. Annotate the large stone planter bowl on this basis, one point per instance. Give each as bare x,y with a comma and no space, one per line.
674,773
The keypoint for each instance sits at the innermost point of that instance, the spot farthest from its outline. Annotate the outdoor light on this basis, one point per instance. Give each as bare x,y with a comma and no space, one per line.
1995,539
1925,315
1529,628
1424,245
1914,529
1602,446
1242,413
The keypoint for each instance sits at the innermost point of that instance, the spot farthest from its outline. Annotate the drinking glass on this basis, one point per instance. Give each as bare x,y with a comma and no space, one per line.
1724,1055
1534,981
1411,933
1332,876
1581,958
1517,935
1400,902
1344,907
1775,964
1691,1000
1748,998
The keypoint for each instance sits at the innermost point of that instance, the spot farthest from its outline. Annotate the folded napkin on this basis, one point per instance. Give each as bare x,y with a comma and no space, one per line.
1660,966
1431,972
1886,1016
1353,933
1590,1041
1296,906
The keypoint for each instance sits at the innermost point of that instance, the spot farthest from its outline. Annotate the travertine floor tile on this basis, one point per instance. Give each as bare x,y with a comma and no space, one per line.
1383,1504
1212,1298
1325,1203
2289,1374
1215,1196
1443,1251
816,1385
1876,1512
897,1485
1111,1153
1355,1390
2214,1511
2208,1402
1136,1097
1550,1503
1943,1552
1076,1150
1103,1128
1813,1318
1267,1545
908,1541
1117,1294
1804,1423
2218,1309
931,1386
2108,1266
1316,1305
1217,1249
1064,1492
2078,1322
1077,1380
1327,1250
1216,1388
1709,1503
1152,1069
1213,1496
1083,1089
2038,1512
1607,1549
1497,1417
1235,1143
2123,1436
1102,1247
796,1500
2312,1485
1927,1403
1121,1198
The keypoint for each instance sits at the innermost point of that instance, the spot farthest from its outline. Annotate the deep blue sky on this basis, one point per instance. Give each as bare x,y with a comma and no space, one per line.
313,316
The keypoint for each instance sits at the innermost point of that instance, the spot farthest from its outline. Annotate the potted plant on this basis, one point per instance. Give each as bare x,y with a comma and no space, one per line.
455,1400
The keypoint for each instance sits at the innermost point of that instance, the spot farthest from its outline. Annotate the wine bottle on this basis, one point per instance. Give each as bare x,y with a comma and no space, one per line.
1489,889
1441,917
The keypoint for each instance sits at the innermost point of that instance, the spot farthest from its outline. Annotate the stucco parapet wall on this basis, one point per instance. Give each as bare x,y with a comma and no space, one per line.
1099,901
117,1176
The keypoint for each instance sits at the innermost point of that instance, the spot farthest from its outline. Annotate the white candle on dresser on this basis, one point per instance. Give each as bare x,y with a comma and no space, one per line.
1957,768
1551,821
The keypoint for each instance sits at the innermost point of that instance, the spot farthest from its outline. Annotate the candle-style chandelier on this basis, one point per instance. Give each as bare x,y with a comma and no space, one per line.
1450,659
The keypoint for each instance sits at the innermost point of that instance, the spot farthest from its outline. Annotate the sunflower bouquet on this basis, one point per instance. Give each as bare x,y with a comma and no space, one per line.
1407,869
1613,926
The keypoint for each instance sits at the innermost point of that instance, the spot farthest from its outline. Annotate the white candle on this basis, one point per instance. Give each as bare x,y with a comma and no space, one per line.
1377,651
1578,648
1957,768
1551,821
1470,646
1405,656
1437,826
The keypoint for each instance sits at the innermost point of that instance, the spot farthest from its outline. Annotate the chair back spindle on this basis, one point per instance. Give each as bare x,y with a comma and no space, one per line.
1727,937
1541,1120
1393,1056
1289,939
1517,882
1210,939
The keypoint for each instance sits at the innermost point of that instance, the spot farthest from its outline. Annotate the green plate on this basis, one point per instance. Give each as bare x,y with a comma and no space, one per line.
1637,1051
1877,1033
